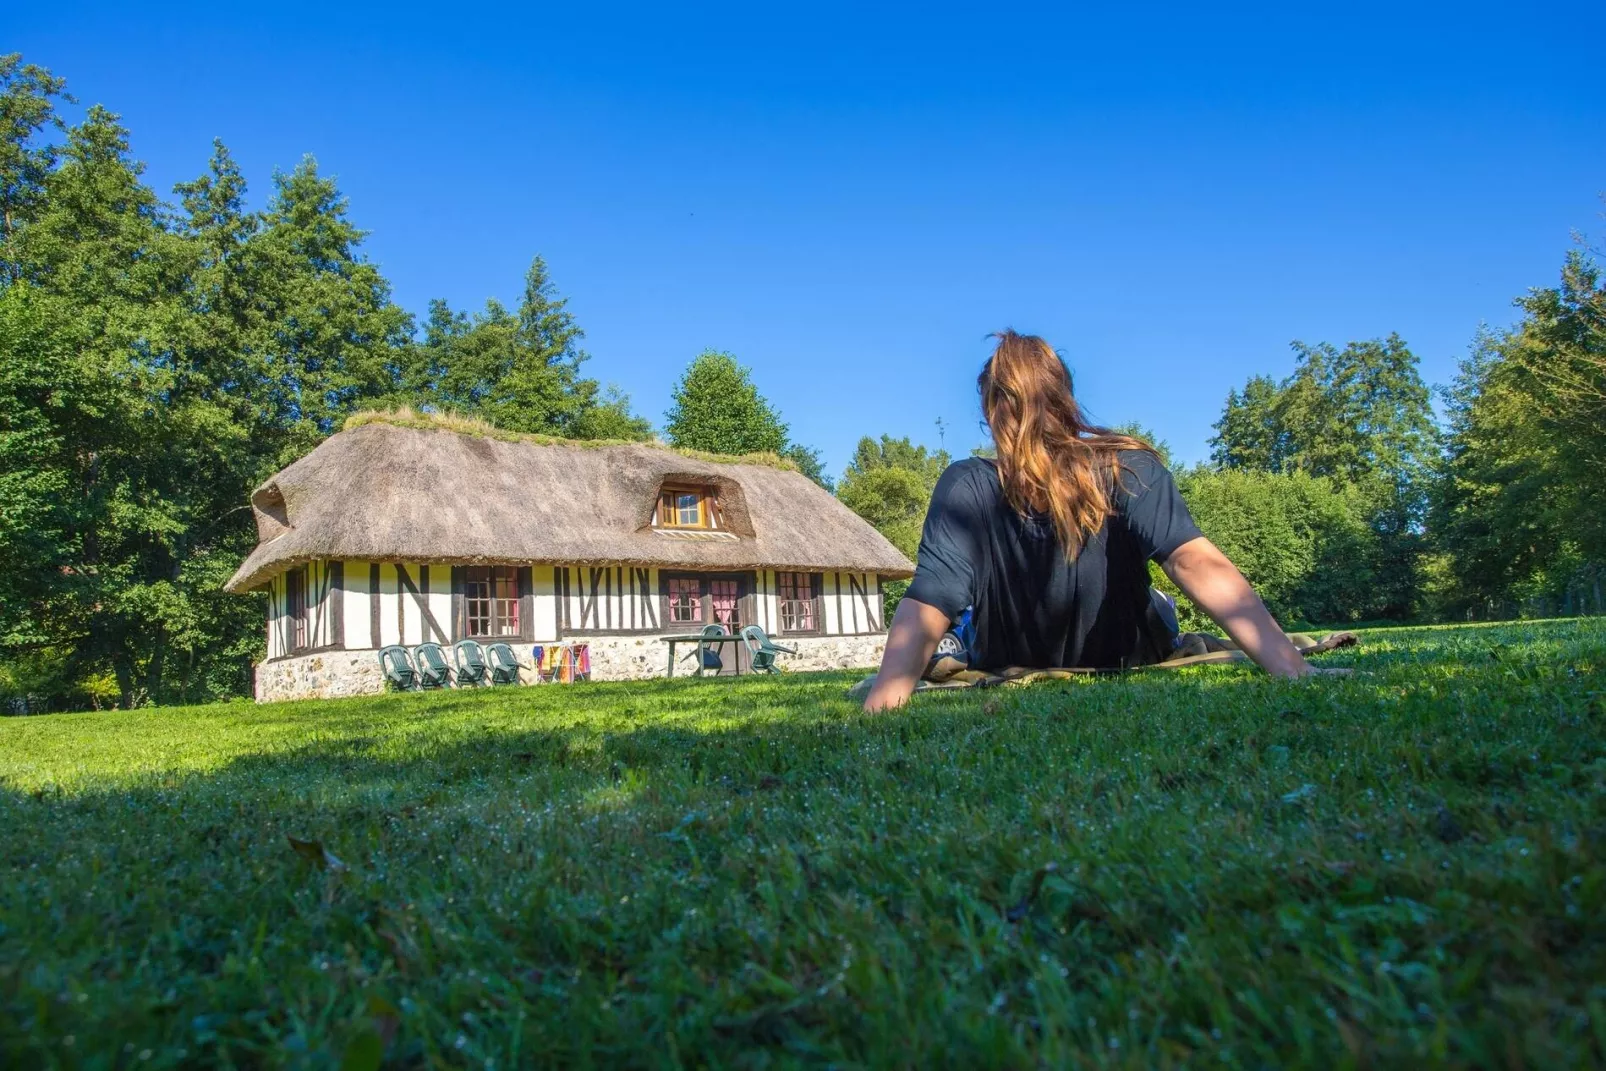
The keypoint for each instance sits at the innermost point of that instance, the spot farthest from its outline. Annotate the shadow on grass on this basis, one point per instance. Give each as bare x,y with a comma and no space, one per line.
705,855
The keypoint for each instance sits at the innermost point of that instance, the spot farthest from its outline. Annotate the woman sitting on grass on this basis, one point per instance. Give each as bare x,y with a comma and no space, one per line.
1051,543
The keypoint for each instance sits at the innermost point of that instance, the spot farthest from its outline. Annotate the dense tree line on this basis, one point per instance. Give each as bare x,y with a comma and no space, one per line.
1519,515
1344,500
161,356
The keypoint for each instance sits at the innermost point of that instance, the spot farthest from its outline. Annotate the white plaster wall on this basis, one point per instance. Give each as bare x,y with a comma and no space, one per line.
355,593
389,621
543,588
440,600
276,644
766,603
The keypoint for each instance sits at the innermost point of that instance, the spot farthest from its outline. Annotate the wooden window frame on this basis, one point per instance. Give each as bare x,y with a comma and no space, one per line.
746,588
499,607
670,585
816,585
669,509
523,598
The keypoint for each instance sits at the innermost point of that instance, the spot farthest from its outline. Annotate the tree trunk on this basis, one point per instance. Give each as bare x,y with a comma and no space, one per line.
153,669
124,672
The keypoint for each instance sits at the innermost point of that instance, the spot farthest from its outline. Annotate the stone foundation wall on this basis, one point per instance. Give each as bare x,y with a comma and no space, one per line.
324,675
333,674
633,658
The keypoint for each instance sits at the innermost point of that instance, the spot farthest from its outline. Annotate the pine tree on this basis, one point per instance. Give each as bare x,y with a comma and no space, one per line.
1250,434
333,329
521,372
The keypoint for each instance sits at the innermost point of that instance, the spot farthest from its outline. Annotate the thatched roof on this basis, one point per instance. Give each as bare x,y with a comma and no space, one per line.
390,492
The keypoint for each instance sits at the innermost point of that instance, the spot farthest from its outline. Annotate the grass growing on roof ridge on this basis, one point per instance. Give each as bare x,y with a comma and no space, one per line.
408,417
1206,867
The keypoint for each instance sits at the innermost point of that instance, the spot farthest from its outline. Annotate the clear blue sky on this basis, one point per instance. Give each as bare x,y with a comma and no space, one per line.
849,198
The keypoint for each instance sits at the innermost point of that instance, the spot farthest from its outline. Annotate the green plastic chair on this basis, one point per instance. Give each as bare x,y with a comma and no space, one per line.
707,655
398,667
504,666
761,650
433,670
471,665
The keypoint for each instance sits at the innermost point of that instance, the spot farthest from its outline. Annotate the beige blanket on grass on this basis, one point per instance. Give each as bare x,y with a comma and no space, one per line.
1196,649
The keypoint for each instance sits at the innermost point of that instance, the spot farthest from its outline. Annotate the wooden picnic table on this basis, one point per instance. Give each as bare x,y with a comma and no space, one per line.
699,639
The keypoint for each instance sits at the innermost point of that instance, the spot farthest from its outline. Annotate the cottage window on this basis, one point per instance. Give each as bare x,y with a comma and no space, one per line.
295,602
685,601
686,507
706,599
492,597
797,595
725,602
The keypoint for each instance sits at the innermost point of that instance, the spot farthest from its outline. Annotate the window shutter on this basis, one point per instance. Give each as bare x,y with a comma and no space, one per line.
526,603
459,603
337,604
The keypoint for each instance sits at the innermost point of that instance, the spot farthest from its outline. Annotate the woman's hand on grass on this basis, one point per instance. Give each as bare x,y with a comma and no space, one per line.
911,641
1216,586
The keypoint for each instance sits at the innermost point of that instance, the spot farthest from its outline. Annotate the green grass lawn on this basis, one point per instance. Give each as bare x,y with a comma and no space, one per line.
1203,867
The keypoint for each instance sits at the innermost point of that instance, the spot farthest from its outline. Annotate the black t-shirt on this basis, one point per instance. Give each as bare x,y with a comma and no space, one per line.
1032,607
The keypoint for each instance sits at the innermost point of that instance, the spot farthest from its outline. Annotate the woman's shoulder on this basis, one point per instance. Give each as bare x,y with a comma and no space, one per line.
1140,461
1145,465
974,467
1137,473
977,471
969,476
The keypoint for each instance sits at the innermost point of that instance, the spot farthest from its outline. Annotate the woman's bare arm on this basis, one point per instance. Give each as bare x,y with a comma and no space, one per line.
916,628
1217,587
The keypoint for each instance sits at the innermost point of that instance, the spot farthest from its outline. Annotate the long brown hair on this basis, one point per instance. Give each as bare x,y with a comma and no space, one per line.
1050,459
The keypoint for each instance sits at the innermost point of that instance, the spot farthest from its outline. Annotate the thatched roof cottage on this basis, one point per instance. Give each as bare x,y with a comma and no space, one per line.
401,531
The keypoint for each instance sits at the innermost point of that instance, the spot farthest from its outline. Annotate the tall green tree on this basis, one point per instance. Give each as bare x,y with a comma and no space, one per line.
715,407
1518,514
1356,414
1251,433
889,483
1361,415
1558,361
1500,510
519,370
95,263
28,95
333,329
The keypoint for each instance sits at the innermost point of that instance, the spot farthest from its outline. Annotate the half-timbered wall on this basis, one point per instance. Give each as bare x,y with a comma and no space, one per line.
322,609
849,604
608,599
367,605
852,604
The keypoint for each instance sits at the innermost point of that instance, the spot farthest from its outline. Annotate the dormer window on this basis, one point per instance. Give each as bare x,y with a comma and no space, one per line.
687,507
